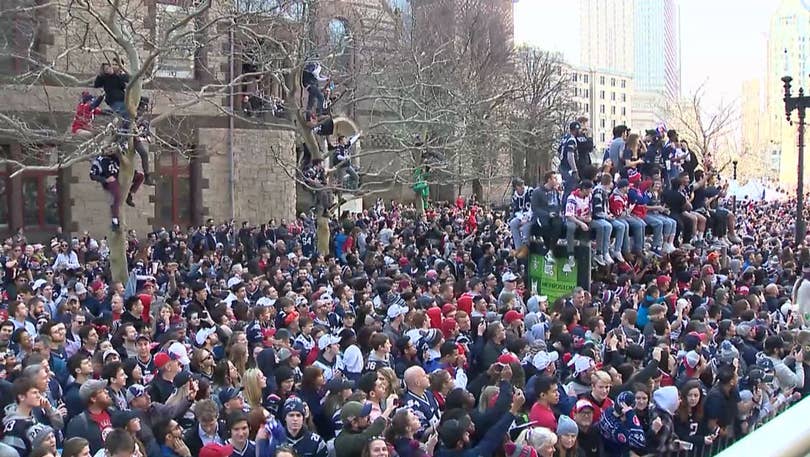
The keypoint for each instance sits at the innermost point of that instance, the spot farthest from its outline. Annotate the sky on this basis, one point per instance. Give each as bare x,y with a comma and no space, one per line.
722,41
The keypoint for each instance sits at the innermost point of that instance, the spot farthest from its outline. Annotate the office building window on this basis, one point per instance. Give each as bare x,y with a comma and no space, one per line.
587,92
602,94
612,110
612,82
624,97
587,107
613,96
574,77
602,80
602,109
602,136
624,83
602,123
585,78
624,111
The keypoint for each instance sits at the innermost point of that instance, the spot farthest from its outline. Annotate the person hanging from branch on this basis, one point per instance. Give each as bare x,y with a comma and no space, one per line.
342,159
104,170
86,111
143,137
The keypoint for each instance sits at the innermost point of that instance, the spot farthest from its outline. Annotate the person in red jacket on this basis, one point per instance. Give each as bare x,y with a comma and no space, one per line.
86,111
621,209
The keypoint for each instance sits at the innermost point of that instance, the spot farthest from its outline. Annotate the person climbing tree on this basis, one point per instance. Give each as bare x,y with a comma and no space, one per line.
86,111
311,79
104,170
342,159
143,137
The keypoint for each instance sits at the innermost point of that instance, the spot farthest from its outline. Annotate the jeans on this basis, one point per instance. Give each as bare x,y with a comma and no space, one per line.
520,228
315,98
621,231
142,148
669,225
569,183
550,231
603,228
571,230
637,227
354,178
654,221
114,189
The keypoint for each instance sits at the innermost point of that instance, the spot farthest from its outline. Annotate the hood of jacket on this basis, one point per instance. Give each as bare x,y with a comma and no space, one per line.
666,398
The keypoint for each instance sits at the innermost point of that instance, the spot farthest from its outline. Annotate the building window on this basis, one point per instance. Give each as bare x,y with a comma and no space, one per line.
613,96
178,60
587,92
340,43
624,97
602,80
612,82
585,78
613,123
602,122
602,94
624,111
574,77
624,83
602,109
602,136
587,107
173,192
612,110
40,199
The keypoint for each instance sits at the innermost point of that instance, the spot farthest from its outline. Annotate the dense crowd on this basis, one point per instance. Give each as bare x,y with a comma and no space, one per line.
415,335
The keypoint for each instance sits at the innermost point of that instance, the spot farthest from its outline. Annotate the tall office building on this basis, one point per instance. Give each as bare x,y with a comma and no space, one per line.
788,54
606,35
657,63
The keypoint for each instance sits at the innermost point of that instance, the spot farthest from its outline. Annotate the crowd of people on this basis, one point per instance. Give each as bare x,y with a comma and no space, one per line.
415,335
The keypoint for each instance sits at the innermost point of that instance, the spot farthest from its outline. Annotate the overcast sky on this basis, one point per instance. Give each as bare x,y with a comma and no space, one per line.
723,41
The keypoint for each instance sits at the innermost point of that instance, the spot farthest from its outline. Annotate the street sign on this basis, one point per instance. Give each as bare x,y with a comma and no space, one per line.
551,279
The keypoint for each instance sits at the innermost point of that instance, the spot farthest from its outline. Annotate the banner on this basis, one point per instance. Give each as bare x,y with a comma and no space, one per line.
550,279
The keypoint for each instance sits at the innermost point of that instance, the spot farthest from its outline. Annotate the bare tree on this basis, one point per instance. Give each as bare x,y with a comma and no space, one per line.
539,114
709,130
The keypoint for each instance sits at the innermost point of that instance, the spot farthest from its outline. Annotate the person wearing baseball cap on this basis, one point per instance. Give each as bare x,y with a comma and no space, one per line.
94,422
169,366
328,359
356,428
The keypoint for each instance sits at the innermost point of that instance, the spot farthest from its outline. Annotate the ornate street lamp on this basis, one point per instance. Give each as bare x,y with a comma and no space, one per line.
800,103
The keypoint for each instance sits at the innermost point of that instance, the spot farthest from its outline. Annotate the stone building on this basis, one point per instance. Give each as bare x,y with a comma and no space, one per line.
224,167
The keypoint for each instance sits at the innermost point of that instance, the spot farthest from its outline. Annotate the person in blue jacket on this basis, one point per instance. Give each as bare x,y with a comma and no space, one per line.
455,433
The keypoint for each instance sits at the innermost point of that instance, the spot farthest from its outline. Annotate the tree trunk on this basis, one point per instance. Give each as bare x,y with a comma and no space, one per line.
118,239
322,234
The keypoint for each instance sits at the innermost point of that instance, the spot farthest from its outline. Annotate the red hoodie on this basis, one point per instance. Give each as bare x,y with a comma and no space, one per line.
83,120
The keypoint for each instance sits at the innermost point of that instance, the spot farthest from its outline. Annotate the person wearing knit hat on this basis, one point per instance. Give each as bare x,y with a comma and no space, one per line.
621,430
567,429
519,450
43,436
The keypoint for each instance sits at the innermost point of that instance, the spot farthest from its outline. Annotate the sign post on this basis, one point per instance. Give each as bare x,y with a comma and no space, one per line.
551,279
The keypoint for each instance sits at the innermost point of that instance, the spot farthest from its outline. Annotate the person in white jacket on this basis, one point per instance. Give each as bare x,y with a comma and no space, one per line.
801,292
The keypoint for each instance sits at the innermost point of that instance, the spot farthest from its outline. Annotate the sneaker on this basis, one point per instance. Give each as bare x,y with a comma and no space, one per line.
608,260
116,226
734,239
618,256
668,248
599,259
148,180
562,242
656,252
569,265
129,201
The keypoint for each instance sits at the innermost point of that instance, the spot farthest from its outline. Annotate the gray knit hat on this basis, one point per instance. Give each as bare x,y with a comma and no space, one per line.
566,426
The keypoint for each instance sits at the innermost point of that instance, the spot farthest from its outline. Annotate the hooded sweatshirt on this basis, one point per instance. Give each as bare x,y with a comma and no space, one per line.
665,401
619,204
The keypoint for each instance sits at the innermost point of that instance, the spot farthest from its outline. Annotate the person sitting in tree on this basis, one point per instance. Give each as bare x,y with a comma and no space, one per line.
105,169
86,111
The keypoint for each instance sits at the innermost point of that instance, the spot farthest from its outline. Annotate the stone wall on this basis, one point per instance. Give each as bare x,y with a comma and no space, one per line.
89,205
262,188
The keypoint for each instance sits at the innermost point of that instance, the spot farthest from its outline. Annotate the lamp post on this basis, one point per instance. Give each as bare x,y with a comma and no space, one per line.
800,103
734,177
